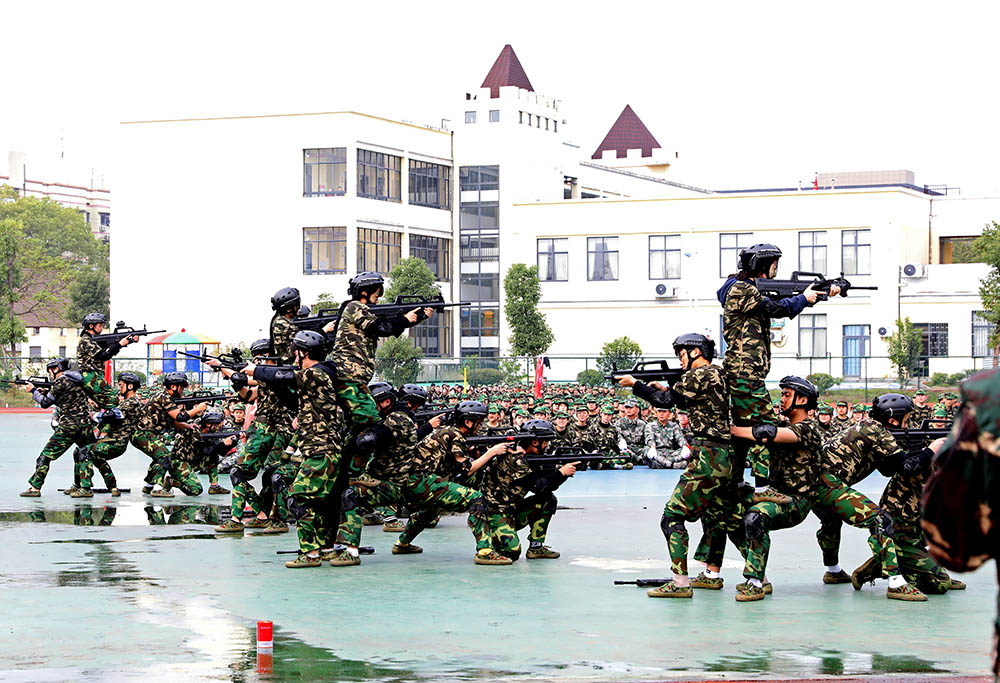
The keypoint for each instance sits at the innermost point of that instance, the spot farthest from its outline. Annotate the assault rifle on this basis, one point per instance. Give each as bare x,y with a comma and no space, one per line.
38,382
121,331
643,583
422,416
405,303
561,455
911,439
648,371
220,436
203,396
783,289
231,361
318,320
494,439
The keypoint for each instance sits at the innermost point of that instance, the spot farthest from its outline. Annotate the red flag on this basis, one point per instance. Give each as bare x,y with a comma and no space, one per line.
107,371
539,380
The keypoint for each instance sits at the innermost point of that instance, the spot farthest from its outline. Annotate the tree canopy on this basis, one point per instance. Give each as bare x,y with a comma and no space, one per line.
530,334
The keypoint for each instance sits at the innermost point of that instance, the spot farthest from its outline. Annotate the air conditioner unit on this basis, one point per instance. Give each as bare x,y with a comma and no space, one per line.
664,292
913,270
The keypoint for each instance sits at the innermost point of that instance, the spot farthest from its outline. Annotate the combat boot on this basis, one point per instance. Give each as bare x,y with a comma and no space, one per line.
771,495
406,549
490,556
671,590
905,592
747,592
162,493
342,558
866,573
147,489
274,527
372,519
394,526
115,493
303,561
216,489
31,493
702,581
231,526
255,523
956,585
70,490
541,552
838,577
82,493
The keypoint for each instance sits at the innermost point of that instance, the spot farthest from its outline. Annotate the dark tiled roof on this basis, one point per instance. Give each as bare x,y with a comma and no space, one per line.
507,70
628,133
50,313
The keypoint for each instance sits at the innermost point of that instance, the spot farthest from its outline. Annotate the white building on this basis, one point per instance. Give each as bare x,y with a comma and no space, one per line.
622,246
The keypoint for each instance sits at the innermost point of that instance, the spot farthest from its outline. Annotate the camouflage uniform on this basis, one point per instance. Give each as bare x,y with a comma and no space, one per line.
919,414
110,444
74,427
633,431
150,437
282,331
669,442
841,425
960,501
605,439
848,459
90,356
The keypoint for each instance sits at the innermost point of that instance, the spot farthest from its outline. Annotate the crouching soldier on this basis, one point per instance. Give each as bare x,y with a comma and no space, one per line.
117,427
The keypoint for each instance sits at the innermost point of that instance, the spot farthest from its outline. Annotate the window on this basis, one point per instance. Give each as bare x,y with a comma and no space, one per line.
480,287
378,250
434,336
435,252
856,252
933,342
981,331
324,250
494,115
555,126
664,257
379,175
324,171
35,352
553,260
479,216
958,250
105,221
480,322
481,352
857,345
62,351
812,252
730,246
812,335
479,247
479,177
520,117
470,117
602,258
430,184
35,331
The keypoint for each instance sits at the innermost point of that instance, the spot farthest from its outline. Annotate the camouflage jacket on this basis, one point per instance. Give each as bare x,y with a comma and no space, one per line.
919,414
604,437
746,327
320,418
397,438
828,431
356,339
901,497
567,437
69,398
703,394
839,425
666,437
282,331
155,418
90,355
508,479
119,433
443,452
858,451
633,431
795,468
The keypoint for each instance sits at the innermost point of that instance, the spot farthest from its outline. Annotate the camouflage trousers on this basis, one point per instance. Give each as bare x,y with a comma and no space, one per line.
99,391
725,521
360,406
264,449
66,435
311,493
698,493
915,563
429,495
667,459
837,502
155,446
534,512
97,455
763,518
749,404
281,480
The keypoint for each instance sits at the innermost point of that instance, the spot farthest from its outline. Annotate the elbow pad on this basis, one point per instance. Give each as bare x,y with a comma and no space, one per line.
270,373
915,461
43,399
239,381
764,432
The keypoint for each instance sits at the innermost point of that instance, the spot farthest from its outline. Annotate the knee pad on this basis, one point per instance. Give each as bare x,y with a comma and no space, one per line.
42,461
549,505
238,476
297,508
671,525
754,524
883,524
349,499
79,455
278,482
478,507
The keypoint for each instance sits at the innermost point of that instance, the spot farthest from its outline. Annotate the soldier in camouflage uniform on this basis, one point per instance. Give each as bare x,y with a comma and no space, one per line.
951,404
604,435
961,499
91,356
565,435
581,421
201,453
667,447
632,431
858,413
493,421
746,328
702,487
285,303
921,411
841,420
824,420
848,459
117,427
795,453
507,483
68,395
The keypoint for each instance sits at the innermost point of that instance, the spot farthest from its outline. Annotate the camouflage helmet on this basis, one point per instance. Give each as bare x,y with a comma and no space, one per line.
940,411
825,409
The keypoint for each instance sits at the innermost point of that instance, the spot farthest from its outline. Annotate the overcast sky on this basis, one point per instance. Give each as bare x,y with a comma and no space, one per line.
749,94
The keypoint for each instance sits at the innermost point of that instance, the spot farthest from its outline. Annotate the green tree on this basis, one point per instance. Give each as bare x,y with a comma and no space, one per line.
904,349
11,329
823,381
326,300
987,249
397,360
621,353
590,377
89,294
411,277
530,335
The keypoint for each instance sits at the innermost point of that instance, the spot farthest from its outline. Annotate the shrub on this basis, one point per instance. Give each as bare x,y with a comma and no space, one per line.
590,377
823,381
939,379
484,376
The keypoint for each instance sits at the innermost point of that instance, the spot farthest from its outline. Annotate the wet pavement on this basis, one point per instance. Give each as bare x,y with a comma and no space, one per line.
131,589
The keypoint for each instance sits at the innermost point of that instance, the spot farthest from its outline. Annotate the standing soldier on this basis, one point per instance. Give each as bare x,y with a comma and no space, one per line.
285,303
631,429
841,420
921,411
565,435
746,328
824,420
91,357
581,420
951,405
667,447
68,395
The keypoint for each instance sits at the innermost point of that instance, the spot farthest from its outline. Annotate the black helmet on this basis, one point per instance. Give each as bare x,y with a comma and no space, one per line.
542,429
753,258
74,377
413,393
175,378
285,297
363,282
261,347
304,311
94,318
696,341
58,364
308,341
213,417
890,405
802,387
131,379
471,410
381,391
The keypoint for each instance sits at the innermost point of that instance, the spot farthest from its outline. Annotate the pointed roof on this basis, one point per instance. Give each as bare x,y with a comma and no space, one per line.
628,133
507,70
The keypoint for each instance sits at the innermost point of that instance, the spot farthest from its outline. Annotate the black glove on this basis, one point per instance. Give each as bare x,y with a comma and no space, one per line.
239,380
764,432
914,462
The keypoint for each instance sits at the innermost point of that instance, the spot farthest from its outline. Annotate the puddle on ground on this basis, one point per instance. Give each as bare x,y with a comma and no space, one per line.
93,515
823,663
